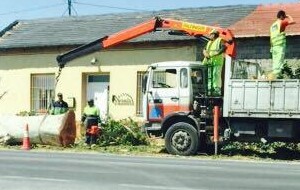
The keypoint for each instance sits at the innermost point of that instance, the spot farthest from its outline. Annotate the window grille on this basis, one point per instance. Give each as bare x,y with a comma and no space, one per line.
139,94
42,92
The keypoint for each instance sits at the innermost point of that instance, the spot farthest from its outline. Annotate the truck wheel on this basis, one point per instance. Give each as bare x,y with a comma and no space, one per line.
182,139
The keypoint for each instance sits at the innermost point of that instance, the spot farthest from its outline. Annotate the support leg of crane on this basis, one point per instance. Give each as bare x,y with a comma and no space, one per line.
216,127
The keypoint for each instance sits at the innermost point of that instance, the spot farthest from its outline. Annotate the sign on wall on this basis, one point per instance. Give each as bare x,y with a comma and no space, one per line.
123,99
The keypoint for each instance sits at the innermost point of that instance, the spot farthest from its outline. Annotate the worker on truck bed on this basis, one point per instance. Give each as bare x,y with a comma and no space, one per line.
91,120
278,42
59,106
213,56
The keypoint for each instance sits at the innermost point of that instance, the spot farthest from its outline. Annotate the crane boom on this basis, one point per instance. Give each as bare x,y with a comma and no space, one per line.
187,28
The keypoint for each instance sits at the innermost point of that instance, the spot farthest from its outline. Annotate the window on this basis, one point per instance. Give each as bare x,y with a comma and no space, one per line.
164,78
139,93
98,78
197,77
198,82
183,78
42,91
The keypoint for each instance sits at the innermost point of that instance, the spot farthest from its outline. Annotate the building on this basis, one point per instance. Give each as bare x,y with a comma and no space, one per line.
252,33
28,50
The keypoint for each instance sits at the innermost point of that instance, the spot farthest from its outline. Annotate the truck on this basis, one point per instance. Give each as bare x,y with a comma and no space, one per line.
177,103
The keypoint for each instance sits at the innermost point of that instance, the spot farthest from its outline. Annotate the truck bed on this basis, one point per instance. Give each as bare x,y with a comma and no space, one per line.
262,98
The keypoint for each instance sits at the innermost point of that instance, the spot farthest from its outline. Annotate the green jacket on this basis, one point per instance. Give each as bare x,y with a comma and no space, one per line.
59,107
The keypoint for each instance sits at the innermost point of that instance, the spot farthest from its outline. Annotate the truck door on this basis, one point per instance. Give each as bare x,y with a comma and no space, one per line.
163,93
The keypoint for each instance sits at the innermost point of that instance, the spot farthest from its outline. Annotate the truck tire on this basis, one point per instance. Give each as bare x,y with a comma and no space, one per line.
182,139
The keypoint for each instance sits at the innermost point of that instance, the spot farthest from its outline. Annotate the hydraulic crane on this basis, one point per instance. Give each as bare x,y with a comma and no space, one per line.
175,26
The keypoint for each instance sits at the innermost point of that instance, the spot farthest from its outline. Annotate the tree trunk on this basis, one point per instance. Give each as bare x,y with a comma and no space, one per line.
59,130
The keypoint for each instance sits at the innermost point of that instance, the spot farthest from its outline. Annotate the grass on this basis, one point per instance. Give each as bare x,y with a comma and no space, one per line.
155,147
234,150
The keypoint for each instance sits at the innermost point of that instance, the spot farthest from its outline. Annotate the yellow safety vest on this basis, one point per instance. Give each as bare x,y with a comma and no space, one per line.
277,37
91,111
214,47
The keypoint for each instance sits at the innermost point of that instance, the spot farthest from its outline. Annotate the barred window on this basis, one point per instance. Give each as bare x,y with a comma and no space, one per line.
139,94
42,91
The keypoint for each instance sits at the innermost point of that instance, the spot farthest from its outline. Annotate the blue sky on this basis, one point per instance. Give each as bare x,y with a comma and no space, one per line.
11,10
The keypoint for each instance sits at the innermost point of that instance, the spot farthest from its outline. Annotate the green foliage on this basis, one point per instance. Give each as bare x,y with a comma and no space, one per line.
123,132
26,113
287,72
274,150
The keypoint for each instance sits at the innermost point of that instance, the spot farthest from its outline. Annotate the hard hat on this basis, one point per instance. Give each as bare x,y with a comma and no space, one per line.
214,31
90,101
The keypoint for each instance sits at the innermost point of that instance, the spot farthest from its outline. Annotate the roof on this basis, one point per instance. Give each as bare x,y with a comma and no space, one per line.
257,23
84,29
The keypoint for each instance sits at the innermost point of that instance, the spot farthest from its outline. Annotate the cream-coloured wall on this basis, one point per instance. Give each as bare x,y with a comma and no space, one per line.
15,88
121,64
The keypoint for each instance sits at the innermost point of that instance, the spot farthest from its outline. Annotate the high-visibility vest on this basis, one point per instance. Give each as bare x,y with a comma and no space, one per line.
214,47
277,37
91,111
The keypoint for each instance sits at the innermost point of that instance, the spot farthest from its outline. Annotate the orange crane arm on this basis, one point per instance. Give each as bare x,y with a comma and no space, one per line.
152,25
197,30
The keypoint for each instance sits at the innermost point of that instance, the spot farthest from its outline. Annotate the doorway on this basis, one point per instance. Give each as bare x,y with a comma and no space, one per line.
98,90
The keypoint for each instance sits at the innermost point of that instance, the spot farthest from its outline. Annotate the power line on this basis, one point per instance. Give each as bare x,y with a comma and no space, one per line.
32,9
110,7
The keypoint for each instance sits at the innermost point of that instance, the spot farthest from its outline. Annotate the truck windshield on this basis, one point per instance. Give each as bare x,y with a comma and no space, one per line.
164,78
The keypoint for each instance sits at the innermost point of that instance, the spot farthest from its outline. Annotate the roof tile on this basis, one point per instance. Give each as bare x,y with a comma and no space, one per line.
257,23
83,29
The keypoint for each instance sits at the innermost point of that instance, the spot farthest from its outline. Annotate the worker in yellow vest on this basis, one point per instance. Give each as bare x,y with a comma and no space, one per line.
214,58
91,120
278,42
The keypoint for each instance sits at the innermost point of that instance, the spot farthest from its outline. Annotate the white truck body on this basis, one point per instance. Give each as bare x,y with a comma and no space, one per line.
260,98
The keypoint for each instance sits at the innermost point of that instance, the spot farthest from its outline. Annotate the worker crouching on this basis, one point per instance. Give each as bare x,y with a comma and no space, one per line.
91,120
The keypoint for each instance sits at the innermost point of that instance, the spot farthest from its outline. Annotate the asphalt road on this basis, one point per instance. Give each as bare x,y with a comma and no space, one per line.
44,171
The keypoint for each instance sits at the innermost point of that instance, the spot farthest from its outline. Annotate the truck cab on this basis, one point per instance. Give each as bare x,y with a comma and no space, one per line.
170,89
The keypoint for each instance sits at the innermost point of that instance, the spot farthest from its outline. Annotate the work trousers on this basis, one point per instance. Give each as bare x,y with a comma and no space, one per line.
278,54
89,138
215,67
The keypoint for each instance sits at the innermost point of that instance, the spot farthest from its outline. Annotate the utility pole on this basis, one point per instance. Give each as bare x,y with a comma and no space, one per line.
70,7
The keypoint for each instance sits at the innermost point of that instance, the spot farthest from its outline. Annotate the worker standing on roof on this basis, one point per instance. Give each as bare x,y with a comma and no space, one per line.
213,56
278,42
